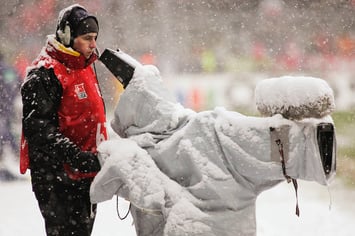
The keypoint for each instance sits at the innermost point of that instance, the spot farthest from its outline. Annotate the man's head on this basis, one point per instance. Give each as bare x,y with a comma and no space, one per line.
78,29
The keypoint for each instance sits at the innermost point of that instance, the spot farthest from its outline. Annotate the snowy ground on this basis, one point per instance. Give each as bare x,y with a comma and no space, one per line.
20,215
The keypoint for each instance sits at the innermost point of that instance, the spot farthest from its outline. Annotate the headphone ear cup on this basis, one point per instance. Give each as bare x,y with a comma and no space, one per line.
64,34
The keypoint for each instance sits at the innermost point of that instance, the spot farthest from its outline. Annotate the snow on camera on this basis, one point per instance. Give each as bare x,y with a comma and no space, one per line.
294,97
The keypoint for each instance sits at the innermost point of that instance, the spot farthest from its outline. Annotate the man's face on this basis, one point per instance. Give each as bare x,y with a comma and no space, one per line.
85,44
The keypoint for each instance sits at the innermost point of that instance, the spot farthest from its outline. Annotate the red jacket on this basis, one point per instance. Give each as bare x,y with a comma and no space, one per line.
80,113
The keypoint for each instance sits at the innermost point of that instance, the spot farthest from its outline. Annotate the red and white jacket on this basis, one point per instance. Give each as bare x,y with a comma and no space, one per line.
64,112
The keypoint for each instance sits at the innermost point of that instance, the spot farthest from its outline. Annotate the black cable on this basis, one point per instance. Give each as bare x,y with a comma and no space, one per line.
118,213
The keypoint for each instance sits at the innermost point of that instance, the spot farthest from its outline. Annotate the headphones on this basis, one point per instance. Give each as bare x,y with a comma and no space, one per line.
68,22
64,35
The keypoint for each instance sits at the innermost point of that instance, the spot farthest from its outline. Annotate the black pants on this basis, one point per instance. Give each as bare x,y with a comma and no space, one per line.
66,208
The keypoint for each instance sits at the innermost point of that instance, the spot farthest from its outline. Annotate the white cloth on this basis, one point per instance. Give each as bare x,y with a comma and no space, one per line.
189,173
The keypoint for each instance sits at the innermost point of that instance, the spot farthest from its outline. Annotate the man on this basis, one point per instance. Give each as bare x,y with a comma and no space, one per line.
63,122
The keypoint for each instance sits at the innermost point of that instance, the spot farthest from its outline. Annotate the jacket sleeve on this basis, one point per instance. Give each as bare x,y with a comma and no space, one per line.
41,98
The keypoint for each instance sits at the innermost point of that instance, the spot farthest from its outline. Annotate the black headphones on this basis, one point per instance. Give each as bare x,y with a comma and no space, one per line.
68,23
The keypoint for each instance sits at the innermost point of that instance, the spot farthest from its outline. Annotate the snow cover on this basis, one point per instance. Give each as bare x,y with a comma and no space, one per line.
294,97
201,172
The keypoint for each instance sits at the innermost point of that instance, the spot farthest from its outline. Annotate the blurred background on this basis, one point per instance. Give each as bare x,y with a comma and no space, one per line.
211,52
